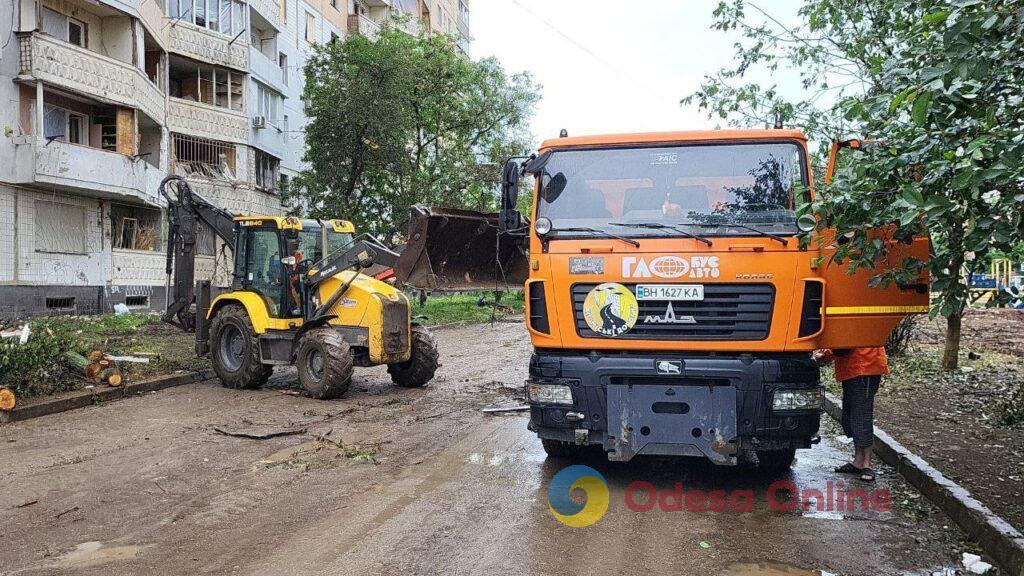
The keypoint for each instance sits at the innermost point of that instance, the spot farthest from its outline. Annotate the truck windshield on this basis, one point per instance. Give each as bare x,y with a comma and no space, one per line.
708,189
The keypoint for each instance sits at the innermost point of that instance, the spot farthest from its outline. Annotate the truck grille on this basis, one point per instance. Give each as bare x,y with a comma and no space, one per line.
728,312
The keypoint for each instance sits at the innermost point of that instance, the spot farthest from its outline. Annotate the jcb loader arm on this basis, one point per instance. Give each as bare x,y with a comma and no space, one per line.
186,209
450,250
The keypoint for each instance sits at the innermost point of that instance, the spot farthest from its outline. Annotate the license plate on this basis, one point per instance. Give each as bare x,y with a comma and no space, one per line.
669,292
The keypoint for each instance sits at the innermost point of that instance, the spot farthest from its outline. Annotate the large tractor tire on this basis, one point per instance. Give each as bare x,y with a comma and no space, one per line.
421,365
234,347
325,364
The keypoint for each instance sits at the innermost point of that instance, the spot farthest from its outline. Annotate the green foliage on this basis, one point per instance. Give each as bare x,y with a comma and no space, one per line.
939,82
1010,411
38,367
439,310
24,367
403,120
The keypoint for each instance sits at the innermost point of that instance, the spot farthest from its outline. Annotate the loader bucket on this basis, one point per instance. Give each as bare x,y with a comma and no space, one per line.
454,250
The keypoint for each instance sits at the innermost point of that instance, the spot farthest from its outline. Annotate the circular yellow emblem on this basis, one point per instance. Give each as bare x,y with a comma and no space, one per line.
611,309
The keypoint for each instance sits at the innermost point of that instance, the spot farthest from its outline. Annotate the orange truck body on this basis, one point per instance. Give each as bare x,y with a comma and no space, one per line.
853,314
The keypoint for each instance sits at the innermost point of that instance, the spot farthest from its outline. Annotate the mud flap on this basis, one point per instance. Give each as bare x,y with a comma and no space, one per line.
460,250
672,420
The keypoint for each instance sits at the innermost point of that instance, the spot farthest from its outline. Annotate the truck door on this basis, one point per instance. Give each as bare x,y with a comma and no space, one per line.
854,313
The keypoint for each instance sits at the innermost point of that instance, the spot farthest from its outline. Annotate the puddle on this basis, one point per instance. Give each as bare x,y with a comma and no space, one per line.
95,553
769,569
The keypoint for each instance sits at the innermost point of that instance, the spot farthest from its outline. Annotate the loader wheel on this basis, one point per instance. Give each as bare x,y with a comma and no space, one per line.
325,364
421,365
235,349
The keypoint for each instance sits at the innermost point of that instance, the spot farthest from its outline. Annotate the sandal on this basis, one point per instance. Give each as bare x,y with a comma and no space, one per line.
848,468
867,475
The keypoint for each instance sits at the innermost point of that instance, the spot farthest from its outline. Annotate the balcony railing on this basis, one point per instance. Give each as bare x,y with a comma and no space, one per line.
95,171
360,24
74,68
208,46
206,121
265,70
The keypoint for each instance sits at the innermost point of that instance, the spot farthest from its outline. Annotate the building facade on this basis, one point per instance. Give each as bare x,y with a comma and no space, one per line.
104,98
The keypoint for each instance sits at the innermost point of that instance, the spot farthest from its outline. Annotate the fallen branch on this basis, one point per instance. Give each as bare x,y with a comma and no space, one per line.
259,436
510,409
68,511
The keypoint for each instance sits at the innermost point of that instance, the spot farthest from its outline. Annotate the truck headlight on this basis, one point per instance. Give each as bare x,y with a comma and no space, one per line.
549,393
806,399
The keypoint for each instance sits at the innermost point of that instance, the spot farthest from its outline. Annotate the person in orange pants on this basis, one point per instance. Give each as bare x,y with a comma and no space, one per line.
860,371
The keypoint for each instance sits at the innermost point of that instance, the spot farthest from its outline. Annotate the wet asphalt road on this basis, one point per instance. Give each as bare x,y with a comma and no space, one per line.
145,486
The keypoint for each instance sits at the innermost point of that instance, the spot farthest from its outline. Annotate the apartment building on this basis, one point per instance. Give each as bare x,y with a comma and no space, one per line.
104,98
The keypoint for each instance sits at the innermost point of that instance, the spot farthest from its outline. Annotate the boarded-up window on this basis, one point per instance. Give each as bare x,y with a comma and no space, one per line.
60,228
135,228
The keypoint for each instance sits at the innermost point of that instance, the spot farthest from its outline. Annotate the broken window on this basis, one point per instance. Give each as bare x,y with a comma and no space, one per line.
190,80
135,228
192,156
267,169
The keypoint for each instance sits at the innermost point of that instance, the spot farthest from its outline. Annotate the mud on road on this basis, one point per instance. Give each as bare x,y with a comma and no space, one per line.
396,481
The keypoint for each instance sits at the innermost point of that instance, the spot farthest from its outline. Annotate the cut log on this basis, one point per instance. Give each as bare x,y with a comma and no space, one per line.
93,370
95,355
7,400
76,360
111,376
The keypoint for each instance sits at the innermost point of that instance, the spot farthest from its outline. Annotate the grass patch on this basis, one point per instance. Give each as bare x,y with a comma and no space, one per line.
38,367
466,308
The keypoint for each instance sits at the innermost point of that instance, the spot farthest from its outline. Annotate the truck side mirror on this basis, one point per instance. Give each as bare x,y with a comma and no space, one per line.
510,218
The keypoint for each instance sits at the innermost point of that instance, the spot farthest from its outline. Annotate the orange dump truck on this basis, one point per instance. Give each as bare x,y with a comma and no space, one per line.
674,296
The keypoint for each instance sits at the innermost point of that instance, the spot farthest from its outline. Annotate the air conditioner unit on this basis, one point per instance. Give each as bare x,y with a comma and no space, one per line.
259,122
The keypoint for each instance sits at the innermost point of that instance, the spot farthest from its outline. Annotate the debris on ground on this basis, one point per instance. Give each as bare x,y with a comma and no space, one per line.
132,359
509,409
261,435
28,503
974,564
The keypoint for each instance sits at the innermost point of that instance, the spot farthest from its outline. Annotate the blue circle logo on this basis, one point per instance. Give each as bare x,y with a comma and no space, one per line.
578,496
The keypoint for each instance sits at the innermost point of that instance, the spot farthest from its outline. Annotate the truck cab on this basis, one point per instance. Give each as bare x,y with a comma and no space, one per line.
675,296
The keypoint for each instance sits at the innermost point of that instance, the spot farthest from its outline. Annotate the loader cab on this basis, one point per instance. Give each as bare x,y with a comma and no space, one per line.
270,250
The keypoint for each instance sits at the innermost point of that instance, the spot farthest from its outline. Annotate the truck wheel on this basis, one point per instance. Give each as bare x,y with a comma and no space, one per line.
325,364
775,461
421,365
234,348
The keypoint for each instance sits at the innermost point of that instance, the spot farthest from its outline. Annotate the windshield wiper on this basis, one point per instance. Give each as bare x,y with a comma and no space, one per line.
775,237
602,233
660,226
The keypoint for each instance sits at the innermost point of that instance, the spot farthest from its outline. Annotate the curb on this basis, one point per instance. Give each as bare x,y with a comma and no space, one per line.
997,537
83,398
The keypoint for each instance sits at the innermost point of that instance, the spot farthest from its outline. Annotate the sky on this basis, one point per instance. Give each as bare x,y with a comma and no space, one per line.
609,66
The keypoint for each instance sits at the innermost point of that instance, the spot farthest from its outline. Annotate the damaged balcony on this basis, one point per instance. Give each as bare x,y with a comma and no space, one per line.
206,101
86,146
65,65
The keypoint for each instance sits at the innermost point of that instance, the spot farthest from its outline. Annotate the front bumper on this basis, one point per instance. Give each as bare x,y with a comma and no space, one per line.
717,406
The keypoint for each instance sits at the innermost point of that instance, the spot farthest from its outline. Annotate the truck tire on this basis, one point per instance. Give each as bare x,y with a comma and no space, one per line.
421,365
325,364
234,348
775,461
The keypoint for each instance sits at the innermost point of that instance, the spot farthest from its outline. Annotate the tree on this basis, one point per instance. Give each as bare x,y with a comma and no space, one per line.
403,120
940,83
